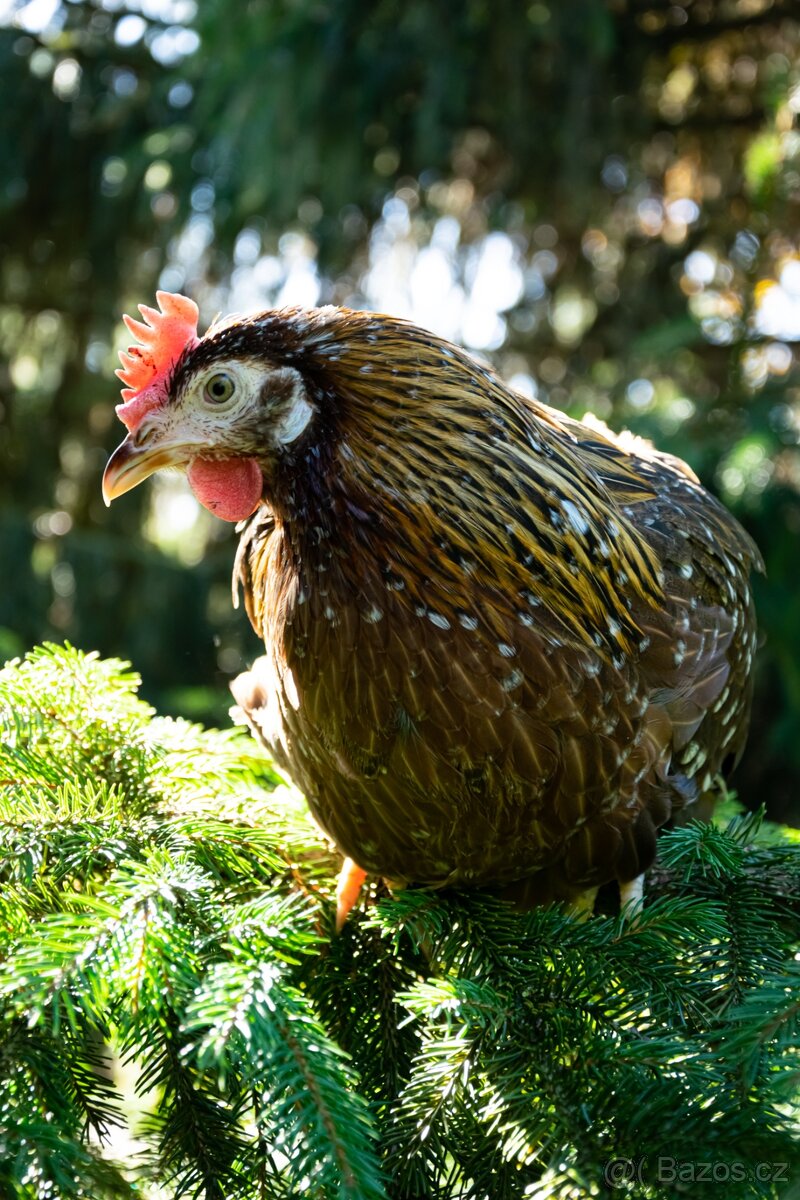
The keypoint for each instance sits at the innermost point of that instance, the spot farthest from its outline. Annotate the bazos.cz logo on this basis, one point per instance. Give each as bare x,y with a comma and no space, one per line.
619,1172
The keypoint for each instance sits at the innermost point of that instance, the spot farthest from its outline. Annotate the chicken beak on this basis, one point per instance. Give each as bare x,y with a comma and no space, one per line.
130,465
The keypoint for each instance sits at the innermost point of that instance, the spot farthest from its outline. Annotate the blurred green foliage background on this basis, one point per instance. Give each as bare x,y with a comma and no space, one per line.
601,197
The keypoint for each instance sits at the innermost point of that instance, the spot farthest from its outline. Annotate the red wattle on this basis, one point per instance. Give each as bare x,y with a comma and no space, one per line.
230,488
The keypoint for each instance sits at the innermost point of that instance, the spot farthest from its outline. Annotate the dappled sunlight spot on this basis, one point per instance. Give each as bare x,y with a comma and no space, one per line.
524,384
176,12
396,217
113,175
25,372
272,280
552,369
187,263
180,94
457,290
37,16
67,79
255,287
650,215
302,284
760,363
175,522
495,281
700,267
130,29
662,401
494,267
746,470
674,411
545,263
52,524
482,327
572,314
168,46
435,298
157,175
640,394
247,247
778,304
779,358
683,211
269,272
719,313
614,174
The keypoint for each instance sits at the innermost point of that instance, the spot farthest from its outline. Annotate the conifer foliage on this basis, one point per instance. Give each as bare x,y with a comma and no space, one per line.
167,916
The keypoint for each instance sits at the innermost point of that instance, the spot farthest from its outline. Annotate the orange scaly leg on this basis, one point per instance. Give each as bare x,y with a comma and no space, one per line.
348,886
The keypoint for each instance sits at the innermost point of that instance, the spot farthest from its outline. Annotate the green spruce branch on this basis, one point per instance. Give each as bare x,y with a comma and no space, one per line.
167,927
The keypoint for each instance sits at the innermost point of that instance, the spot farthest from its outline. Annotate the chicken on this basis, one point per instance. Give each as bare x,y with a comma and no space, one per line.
502,648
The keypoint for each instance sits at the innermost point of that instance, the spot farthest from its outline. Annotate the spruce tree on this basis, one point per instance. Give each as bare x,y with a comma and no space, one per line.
167,916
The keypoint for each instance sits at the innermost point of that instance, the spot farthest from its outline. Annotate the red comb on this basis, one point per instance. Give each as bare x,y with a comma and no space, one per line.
162,338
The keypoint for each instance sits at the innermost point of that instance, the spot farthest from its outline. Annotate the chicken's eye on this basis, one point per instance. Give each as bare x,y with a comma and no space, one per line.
219,388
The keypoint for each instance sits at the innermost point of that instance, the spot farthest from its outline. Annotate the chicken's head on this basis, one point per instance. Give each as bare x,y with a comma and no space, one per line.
211,406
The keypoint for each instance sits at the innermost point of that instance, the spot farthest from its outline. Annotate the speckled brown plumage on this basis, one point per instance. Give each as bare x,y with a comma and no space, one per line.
500,645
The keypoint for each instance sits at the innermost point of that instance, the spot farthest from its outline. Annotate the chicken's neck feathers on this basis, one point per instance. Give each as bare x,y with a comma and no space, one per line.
489,527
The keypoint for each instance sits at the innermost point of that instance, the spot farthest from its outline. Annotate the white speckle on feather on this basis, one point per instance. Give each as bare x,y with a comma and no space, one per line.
438,620
374,615
467,621
506,650
575,517
512,681
686,570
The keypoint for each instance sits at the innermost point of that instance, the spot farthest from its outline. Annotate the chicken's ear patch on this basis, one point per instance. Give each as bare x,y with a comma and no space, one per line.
161,340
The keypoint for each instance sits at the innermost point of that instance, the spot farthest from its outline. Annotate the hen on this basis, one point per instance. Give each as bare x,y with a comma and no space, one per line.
502,647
